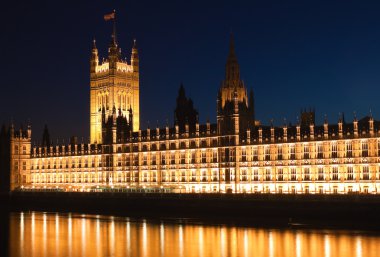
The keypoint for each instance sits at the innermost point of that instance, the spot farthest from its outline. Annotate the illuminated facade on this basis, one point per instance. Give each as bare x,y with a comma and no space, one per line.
114,85
236,154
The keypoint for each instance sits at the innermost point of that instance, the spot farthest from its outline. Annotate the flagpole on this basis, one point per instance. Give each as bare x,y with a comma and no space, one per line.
114,26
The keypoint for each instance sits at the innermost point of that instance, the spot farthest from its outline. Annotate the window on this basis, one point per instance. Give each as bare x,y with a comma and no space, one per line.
183,176
163,159
244,175
279,152
16,165
306,152
254,154
256,175
154,176
365,173
280,175
204,176
321,175
350,173
292,151
203,156
192,157
135,160
268,176
145,159
334,150
24,149
23,165
243,155
214,156
306,174
319,151
16,149
193,176
183,160
267,153
214,175
364,149
172,158
348,149
335,174
293,174
153,159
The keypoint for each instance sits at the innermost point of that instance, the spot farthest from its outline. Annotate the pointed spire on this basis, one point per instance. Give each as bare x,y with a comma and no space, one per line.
232,66
94,44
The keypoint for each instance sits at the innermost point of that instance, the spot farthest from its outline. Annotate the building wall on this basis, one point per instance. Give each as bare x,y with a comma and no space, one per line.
198,164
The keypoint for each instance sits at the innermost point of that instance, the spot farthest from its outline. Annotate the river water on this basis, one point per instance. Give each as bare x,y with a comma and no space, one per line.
37,234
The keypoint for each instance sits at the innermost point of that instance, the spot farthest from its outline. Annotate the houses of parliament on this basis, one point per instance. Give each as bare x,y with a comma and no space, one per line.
235,155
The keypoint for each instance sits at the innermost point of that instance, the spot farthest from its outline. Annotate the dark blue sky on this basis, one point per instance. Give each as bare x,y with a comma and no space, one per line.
294,54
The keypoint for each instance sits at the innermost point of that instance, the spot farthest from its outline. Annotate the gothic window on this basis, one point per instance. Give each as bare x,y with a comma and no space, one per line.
280,174
350,173
244,175
214,156
268,176
163,159
293,174
306,174
306,151
292,151
319,151
193,157
267,152
203,156
193,176
335,174
364,149
256,175
334,150
204,176
349,149
243,155
279,152
254,154
321,175
145,159
365,173
183,158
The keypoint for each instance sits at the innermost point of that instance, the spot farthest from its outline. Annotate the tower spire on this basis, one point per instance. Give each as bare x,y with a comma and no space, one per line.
232,66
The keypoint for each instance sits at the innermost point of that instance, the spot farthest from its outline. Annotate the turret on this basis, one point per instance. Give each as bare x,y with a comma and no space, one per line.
326,129
356,133
285,131
94,62
371,127
135,57
312,131
340,127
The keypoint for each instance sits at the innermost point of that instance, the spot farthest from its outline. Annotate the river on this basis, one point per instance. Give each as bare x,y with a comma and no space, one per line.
38,234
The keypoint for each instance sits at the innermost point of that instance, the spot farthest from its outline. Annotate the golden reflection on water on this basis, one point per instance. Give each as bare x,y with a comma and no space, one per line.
52,234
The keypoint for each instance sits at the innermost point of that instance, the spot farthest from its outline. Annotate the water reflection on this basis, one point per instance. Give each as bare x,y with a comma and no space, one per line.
45,234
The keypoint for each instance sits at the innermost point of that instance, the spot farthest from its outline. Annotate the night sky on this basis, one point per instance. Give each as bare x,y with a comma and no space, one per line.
294,54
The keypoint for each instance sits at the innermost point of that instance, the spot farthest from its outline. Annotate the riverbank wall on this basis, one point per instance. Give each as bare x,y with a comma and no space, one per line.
314,211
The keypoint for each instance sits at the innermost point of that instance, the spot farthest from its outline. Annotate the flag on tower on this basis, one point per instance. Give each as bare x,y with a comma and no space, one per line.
109,16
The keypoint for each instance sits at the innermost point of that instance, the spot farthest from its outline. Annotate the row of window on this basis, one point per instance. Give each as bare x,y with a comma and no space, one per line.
322,174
